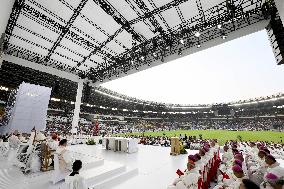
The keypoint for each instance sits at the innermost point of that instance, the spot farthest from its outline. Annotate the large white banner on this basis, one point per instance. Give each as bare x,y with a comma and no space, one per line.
30,108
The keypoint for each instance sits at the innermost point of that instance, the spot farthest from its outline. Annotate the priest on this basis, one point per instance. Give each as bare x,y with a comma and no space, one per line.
64,157
75,180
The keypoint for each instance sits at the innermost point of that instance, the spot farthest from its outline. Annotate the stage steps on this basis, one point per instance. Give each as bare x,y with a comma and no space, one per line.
92,164
117,179
89,163
11,179
98,174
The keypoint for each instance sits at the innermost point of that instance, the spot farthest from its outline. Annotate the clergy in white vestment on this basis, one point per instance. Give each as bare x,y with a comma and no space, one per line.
14,141
53,142
64,157
256,172
253,151
236,178
227,156
40,136
269,181
203,160
75,180
274,166
192,168
36,136
14,144
191,165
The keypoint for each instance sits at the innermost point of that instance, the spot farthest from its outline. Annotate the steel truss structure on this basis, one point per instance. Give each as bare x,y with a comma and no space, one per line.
215,22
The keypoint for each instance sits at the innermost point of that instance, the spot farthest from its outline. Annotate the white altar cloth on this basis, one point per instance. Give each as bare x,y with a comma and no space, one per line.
120,144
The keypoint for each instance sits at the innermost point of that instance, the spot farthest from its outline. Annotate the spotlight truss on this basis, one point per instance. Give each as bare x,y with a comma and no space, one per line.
220,22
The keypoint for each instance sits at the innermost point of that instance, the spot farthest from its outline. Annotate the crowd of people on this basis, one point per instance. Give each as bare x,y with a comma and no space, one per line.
262,124
113,126
188,142
243,165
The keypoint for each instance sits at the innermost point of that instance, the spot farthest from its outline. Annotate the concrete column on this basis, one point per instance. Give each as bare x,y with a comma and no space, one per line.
280,8
5,11
75,120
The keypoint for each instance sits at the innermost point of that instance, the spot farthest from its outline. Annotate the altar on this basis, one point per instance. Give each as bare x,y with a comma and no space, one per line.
120,144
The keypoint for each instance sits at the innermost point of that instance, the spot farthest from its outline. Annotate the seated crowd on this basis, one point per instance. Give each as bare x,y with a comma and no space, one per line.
201,168
243,165
111,127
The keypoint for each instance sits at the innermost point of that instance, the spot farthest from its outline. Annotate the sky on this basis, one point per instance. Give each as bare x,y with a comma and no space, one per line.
240,69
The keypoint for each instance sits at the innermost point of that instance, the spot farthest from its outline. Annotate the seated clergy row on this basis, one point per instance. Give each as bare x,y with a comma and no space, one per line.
253,163
201,169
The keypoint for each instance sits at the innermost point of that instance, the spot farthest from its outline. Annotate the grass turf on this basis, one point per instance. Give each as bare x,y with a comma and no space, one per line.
222,135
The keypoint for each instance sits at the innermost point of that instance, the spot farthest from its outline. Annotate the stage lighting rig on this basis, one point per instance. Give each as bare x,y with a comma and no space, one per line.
187,35
155,55
198,44
197,34
219,26
224,36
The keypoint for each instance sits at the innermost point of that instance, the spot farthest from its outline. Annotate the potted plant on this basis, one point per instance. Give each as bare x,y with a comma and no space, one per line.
91,142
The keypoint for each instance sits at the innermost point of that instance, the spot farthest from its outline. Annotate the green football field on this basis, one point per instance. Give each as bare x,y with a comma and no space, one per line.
223,135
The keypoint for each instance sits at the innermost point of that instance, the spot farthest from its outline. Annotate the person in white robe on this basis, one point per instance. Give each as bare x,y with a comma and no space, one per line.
273,170
14,144
269,181
235,179
64,157
256,172
227,155
53,142
252,155
274,166
75,180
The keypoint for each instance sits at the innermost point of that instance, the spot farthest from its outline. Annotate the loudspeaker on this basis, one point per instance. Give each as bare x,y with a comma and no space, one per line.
87,92
275,31
2,39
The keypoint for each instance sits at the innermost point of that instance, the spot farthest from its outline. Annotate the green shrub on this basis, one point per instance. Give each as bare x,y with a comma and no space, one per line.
91,142
240,138
182,150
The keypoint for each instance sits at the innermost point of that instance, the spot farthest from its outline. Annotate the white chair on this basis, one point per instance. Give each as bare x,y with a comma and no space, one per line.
23,154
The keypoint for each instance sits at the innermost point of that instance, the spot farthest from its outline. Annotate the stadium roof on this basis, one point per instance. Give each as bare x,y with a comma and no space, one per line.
100,39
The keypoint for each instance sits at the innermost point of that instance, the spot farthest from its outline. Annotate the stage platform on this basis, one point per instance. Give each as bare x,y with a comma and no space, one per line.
151,167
